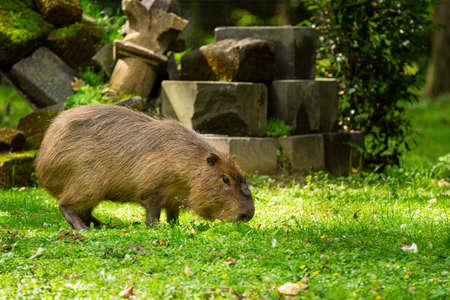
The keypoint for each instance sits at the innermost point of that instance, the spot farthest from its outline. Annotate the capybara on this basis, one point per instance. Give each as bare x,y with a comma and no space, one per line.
106,152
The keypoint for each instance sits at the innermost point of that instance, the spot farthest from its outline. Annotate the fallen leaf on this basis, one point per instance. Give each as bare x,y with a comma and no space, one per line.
274,243
432,201
127,292
231,261
76,84
411,248
241,296
305,278
443,183
186,270
160,243
291,289
136,248
38,253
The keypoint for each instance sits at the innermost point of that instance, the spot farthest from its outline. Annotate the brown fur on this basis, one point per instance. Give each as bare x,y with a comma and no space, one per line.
92,153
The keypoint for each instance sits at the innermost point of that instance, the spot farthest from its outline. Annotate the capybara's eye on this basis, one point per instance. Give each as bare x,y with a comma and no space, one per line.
226,179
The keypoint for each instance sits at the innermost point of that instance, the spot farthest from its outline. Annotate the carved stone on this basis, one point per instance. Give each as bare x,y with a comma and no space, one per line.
151,31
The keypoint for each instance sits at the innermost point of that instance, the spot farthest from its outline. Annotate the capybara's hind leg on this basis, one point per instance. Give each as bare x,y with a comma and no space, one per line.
152,205
172,214
72,217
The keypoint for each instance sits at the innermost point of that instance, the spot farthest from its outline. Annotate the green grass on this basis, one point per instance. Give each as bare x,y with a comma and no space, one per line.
431,122
345,232
12,107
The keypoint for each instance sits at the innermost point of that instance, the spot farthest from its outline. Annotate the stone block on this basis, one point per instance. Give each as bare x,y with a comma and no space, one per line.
230,108
11,139
304,152
248,59
295,102
44,77
251,154
34,124
104,59
16,169
294,47
306,105
327,93
343,152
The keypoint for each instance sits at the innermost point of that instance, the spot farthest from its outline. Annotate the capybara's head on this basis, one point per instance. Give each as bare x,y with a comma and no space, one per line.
220,190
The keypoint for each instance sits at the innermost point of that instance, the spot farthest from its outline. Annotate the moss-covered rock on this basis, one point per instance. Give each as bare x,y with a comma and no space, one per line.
75,44
34,124
60,12
22,30
11,139
16,169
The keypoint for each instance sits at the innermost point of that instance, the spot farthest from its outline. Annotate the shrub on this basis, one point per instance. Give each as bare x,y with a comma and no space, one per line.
372,48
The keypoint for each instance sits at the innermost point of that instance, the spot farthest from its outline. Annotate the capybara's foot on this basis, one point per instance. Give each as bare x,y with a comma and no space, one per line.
72,218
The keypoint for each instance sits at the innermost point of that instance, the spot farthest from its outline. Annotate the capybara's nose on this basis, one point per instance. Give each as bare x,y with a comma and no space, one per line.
246,216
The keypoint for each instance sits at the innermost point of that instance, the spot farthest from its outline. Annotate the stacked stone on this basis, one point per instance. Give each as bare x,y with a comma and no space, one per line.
231,87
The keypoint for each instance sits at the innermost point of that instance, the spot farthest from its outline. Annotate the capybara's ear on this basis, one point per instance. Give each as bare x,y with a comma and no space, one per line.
212,159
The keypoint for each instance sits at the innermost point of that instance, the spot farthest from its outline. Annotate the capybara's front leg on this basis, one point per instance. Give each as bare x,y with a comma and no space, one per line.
72,218
89,218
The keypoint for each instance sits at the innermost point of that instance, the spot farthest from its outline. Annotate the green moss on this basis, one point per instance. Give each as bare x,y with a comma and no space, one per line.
21,30
75,44
14,156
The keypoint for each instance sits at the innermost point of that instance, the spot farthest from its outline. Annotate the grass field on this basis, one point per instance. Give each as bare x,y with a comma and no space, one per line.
341,236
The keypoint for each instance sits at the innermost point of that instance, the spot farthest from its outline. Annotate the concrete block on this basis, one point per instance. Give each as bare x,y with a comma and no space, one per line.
230,108
251,154
44,77
304,152
342,152
306,105
296,102
327,94
294,47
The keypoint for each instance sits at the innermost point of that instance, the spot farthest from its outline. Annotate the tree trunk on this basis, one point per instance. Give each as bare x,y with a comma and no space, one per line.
438,74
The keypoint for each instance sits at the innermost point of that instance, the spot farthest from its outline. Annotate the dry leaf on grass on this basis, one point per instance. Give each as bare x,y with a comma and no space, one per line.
443,183
410,248
231,261
306,278
127,292
38,253
186,270
291,289
76,84
160,243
